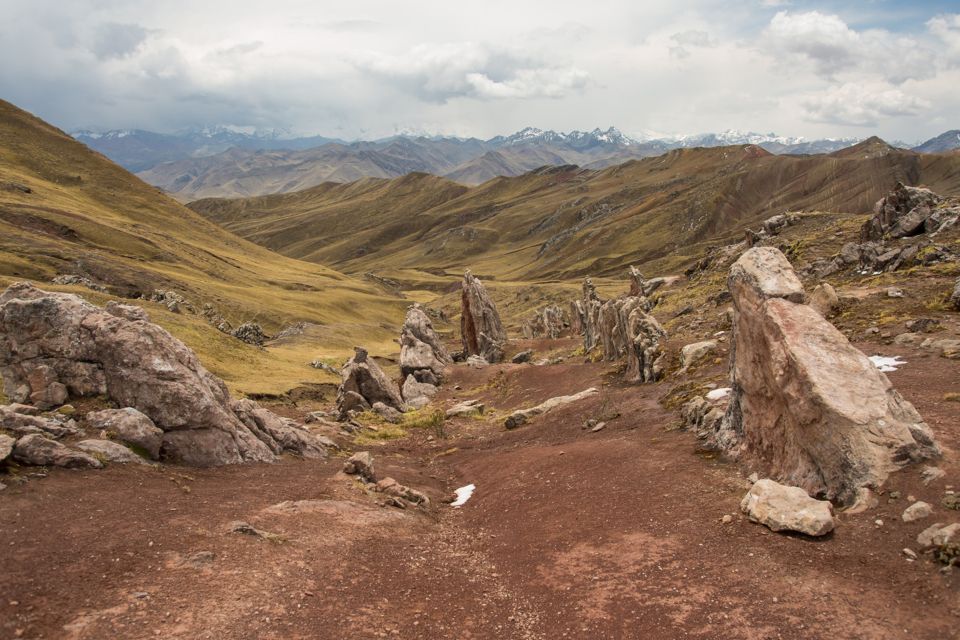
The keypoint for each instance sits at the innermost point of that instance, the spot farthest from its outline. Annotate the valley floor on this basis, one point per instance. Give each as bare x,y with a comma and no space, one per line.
570,534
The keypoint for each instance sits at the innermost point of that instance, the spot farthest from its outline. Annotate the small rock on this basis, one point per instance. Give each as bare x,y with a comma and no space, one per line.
910,553
37,450
917,511
523,356
110,451
784,508
929,474
466,408
894,292
727,519
598,427
938,535
360,464
878,522
753,477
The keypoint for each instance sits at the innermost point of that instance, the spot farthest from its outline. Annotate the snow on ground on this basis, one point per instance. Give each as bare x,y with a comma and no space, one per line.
886,363
463,494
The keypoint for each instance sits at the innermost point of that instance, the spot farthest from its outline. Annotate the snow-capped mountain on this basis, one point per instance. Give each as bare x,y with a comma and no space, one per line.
947,141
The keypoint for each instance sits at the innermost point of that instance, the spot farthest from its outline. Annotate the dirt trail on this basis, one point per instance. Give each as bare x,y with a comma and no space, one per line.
570,534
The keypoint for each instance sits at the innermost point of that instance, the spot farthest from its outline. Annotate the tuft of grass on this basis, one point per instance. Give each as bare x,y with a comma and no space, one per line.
952,396
382,433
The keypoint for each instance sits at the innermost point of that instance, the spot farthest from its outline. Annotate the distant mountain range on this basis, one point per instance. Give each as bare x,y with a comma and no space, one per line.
223,162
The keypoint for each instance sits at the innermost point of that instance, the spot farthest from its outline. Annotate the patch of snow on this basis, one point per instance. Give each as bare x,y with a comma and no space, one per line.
719,394
463,494
886,364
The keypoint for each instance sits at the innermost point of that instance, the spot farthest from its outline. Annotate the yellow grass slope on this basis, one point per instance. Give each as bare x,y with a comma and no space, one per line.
84,215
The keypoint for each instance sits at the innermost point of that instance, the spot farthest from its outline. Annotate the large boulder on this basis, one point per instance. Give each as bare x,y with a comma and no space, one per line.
364,384
548,322
417,394
37,450
696,352
420,347
481,330
130,427
6,446
783,508
807,408
114,353
624,329
109,451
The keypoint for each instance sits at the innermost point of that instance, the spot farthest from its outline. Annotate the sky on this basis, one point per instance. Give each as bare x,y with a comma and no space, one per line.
372,68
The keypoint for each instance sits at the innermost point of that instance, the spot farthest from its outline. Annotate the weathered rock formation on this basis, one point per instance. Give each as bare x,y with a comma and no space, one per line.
481,330
807,408
54,344
694,353
640,286
623,329
955,296
549,322
364,384
130,427
422,358
901,213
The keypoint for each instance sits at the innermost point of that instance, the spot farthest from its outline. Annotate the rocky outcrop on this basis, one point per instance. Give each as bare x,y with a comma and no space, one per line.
54,341
109,451
363,384
576,317
481,330
422,358
549,322
808,408
251,333
420,347
901,213
591,315
130,427
640,286
783,508
955,296
361,464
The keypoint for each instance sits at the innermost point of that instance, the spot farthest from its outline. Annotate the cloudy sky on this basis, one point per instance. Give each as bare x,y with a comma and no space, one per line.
369,68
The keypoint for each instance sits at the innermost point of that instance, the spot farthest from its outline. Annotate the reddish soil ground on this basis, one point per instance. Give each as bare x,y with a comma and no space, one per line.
570,534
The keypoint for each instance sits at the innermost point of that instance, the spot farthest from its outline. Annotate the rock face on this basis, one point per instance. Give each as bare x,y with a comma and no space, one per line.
481,330
364,384
807,408
129,426
52,340
783,508
623,329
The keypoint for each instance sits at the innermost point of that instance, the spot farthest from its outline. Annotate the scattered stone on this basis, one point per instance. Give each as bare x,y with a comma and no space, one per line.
951,501
481,330
783,508
598,427
200,559
894,292
109,451
366,381
917,511
251,333
387,413
129,426
521,416
692,354
247,529
938,535
417,394
807,407
391,487
825,300
360,464
523,356
726,519
910,553
37,450
21,424
76,280
466,408
923,325
477,362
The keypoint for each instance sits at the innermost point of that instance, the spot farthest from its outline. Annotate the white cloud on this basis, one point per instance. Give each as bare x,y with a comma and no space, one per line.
861,105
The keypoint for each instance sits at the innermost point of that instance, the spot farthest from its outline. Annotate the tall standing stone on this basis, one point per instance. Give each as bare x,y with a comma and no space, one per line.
481,330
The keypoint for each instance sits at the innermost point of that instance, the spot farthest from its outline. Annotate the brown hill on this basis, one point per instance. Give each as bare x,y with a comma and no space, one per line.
562,222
